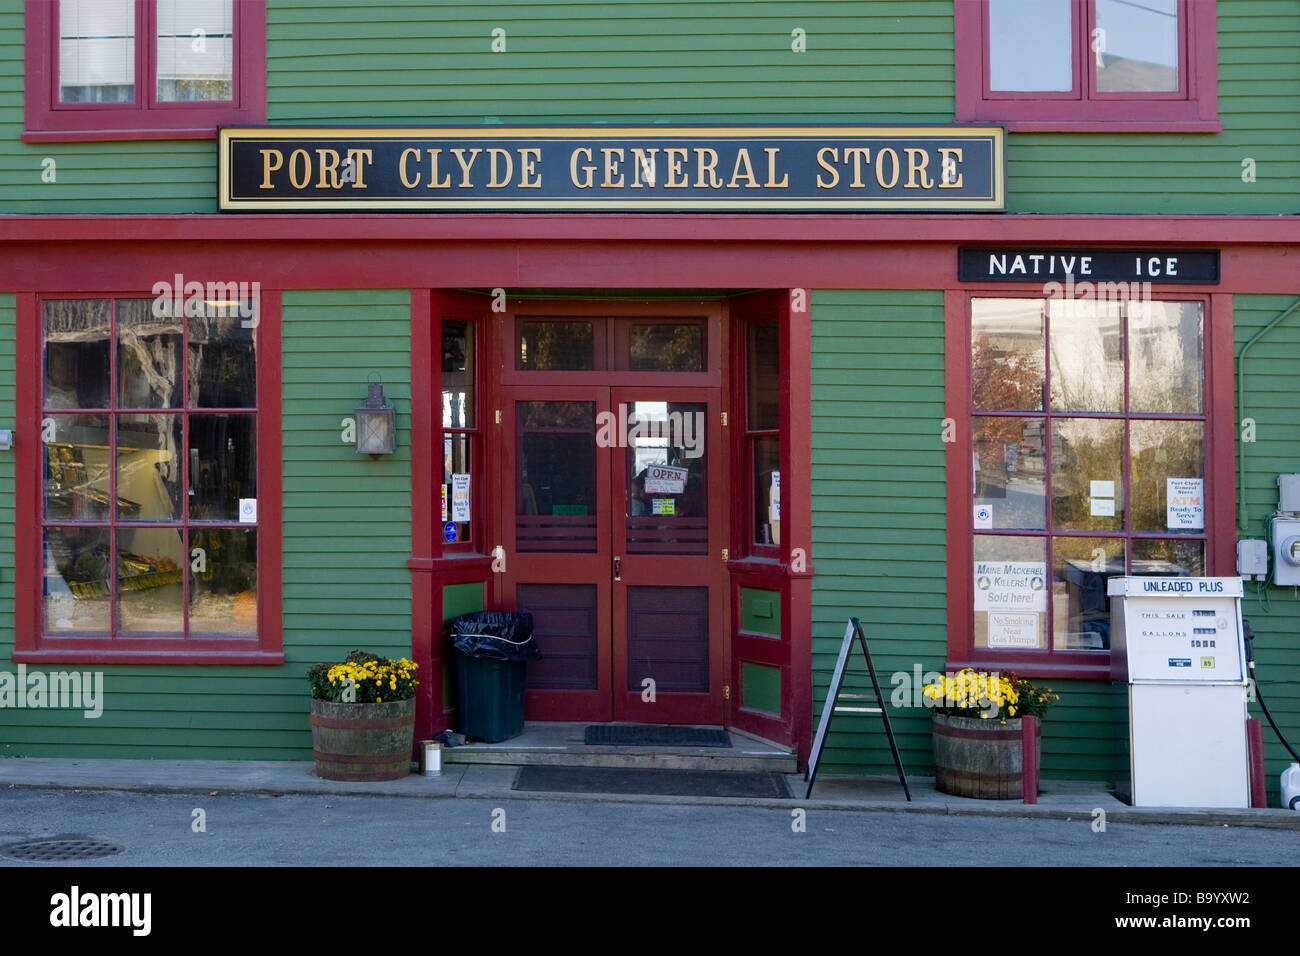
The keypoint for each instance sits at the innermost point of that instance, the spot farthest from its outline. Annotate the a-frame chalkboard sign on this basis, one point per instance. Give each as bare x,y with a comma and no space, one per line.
832,707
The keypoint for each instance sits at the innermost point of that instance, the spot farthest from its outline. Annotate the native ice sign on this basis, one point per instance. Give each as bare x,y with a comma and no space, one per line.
1010,586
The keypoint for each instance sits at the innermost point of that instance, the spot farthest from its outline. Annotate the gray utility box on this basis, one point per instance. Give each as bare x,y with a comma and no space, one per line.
1179,666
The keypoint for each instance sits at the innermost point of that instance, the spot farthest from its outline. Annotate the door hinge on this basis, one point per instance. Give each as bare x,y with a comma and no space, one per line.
725,552
726,692
724,419
498,416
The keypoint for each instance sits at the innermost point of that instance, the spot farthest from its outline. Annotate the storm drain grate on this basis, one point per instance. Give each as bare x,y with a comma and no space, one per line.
57,851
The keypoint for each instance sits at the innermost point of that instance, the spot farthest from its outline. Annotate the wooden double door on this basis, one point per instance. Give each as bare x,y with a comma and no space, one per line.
614,507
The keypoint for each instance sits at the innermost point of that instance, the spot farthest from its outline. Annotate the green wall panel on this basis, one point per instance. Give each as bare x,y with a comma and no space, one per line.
760,611
760,687
1269,397
635,61
346,540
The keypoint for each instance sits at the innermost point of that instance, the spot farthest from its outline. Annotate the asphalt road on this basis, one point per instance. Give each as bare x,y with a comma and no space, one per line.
338,831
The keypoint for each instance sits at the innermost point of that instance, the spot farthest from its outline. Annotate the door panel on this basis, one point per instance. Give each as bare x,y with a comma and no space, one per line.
668,535
554,515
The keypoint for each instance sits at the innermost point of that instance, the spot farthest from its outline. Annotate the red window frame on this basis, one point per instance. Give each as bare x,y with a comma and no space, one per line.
1193,108
1219,533
747,441
31,645
47,120
478,491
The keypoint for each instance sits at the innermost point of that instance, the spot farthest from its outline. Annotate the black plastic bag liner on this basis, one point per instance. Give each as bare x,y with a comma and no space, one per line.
495,636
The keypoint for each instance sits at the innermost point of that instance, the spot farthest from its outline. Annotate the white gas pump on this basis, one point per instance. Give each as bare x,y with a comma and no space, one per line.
1178,660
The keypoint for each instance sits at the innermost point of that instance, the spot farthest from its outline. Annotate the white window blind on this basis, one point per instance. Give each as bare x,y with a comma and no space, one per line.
96,51
195,49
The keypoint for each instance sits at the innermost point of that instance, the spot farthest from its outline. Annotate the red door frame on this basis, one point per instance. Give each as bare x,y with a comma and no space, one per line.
675,570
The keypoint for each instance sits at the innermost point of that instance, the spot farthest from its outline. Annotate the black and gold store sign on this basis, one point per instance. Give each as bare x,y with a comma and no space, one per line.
791,169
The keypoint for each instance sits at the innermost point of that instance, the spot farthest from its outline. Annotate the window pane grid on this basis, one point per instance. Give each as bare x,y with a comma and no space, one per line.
126,574
1147,547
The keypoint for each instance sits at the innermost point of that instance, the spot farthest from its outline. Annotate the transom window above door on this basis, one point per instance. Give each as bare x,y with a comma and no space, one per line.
564,344
674,343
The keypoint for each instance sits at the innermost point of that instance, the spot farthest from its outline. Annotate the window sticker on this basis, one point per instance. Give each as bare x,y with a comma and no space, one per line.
460,497
1185,503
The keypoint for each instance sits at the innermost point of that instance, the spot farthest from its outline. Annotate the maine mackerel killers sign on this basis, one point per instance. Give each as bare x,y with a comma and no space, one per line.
849,169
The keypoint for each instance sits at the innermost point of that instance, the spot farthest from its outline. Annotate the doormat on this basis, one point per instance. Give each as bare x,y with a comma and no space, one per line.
654,735
665,783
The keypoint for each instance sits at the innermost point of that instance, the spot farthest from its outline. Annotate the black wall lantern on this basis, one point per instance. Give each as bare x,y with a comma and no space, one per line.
376,423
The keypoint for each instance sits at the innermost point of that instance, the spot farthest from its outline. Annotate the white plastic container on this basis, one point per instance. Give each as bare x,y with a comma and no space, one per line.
431,762
1291,787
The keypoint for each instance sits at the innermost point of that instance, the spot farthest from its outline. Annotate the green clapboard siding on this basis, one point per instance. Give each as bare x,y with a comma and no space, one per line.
760,611
346,535
760,687
1269,380
457,599
675,61
878,509
879,534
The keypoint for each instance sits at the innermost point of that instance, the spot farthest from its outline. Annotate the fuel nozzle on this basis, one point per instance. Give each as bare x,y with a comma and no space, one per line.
1249,633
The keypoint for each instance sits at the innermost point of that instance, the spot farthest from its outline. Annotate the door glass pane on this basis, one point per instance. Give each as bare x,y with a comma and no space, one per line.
195,50
1178,558
1080,608
76,467
1007,363
667,478
148,356
1087,474
555,489
149,467
1031,44
665,347
457,374
1087,355
1010,592
96,51
1166,481
77,580
1166,361
762,363
1136,46
76,353
150,565
555,346
223,587
1009,463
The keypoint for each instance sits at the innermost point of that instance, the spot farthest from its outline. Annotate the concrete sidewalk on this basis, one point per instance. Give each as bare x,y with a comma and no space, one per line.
1060,800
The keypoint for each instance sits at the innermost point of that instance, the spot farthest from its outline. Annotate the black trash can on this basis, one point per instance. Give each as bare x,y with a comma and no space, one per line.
492,651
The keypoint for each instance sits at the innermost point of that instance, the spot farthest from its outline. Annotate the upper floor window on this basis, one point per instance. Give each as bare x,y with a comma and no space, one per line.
133,69
1087,64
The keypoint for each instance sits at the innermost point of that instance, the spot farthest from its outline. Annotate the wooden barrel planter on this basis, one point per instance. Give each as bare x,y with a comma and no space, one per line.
363,741
974,757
